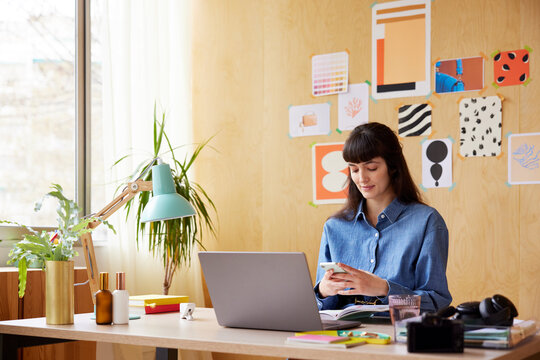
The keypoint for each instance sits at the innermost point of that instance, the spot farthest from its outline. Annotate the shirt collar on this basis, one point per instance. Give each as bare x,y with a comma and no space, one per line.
392,211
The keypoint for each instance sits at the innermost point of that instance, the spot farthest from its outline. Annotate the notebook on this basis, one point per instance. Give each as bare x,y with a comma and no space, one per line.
264,290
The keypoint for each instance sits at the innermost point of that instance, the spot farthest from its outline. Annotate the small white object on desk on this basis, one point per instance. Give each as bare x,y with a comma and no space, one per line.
186,311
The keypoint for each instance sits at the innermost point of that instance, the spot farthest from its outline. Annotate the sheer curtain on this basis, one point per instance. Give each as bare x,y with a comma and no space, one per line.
146,61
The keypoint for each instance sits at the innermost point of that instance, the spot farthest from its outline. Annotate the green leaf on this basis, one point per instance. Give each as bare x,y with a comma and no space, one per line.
36,247
22,277
173,240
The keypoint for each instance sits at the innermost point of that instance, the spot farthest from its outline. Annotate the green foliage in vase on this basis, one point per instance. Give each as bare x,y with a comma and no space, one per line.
38,247
173,240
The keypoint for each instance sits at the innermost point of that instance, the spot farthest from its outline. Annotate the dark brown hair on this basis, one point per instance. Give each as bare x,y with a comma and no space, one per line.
367,142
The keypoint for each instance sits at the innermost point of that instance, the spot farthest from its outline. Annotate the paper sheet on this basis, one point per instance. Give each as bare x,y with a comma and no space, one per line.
437,163
309,120
414,120
524,158
456,75
401,49
330,173
353,107
330,73
480,123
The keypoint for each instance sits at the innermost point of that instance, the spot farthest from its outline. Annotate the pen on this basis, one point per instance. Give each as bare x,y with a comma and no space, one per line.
54,238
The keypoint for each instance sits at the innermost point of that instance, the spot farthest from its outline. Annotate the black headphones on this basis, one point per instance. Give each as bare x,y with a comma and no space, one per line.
496,310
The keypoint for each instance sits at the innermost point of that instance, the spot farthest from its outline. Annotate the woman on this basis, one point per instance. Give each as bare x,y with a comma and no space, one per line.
385,238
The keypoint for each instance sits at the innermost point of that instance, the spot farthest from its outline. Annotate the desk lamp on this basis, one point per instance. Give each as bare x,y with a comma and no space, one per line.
166,204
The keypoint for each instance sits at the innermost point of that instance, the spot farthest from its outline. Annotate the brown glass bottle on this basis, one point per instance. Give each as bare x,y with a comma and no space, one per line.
104,300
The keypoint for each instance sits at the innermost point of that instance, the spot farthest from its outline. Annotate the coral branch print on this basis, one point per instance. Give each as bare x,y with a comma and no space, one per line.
353,107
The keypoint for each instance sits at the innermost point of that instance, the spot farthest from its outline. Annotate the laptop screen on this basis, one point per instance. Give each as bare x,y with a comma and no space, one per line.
261,290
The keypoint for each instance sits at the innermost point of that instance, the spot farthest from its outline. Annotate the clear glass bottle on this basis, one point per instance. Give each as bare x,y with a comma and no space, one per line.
120,300
104,301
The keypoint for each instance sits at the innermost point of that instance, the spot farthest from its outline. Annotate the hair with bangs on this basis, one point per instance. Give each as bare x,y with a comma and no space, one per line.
369,141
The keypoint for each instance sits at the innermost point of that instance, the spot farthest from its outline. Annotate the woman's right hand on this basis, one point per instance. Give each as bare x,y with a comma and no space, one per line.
330,286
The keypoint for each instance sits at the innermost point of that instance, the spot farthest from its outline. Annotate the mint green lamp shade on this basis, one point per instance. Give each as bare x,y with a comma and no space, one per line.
166,203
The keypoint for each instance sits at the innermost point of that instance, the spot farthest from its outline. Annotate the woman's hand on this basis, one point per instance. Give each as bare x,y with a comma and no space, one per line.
359,282
329,285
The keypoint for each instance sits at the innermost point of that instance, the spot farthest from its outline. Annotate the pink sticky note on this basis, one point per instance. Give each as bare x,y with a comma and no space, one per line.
326,339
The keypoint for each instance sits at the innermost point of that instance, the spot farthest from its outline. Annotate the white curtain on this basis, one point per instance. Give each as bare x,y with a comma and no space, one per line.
146,60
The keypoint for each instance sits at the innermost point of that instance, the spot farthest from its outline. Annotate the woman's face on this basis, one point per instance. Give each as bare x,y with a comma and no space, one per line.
372,179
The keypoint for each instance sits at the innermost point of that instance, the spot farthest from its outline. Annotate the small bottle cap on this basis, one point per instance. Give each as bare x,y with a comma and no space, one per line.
120,281
104,281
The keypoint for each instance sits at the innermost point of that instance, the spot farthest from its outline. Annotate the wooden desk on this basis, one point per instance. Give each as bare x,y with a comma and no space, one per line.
168,331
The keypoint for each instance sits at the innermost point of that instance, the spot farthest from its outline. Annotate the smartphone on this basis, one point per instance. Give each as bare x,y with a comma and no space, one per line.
332,265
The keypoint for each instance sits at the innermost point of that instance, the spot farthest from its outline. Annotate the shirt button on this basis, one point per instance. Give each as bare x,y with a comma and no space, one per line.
372,261
382,216
376,234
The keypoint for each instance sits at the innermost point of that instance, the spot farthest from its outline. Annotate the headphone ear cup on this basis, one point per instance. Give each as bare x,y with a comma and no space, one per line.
492,316
469,312
486,308
503,302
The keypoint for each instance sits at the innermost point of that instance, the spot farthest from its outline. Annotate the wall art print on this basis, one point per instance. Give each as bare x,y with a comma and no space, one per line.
511,67
524,158
414,120
330,173
401,49
309,120
353,107
329,73
437,163
455,75
480,122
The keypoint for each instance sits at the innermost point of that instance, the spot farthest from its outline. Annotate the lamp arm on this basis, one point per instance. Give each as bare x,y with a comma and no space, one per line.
132,189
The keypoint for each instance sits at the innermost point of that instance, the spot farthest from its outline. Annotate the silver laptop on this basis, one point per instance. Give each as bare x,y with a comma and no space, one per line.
264,290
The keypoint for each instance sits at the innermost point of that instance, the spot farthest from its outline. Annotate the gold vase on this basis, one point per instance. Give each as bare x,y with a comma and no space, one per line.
59,296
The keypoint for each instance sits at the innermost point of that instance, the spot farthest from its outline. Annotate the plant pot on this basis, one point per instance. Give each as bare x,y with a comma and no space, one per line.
59,296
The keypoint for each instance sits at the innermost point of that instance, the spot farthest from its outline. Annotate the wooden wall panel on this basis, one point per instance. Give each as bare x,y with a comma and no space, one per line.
261,178
228,66
529,195
9,299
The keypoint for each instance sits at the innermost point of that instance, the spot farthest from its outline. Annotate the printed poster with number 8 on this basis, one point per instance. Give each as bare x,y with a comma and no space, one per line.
330,173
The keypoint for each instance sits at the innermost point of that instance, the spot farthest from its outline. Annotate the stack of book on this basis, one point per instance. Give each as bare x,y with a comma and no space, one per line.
499,337
158,303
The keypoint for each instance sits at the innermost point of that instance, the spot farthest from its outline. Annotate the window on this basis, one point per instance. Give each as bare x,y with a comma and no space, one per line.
78,83
37,106
99,179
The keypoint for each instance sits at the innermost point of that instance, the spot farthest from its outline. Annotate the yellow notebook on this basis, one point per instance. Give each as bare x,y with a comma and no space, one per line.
153,300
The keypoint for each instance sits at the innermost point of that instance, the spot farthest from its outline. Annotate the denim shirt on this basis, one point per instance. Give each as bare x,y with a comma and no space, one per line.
408,248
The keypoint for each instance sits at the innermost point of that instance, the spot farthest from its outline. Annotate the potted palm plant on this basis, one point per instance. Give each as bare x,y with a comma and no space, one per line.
173,240
54,252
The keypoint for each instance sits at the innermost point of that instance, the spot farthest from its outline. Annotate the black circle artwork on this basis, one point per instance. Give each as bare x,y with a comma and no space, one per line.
436,152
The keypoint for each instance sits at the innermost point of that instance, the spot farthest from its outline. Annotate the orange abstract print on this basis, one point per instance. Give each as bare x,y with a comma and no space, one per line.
511,67
330,173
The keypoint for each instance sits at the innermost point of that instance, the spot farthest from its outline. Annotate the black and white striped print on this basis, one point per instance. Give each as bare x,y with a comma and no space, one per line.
414,120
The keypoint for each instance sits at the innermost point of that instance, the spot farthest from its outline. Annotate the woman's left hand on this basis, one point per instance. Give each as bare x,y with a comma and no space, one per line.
361,282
